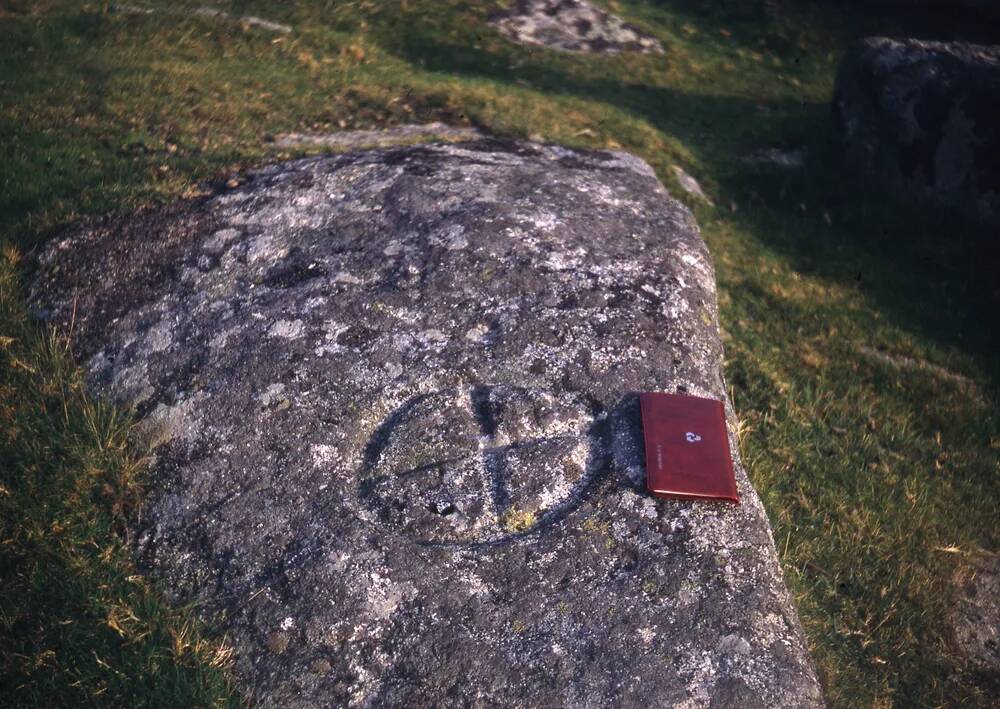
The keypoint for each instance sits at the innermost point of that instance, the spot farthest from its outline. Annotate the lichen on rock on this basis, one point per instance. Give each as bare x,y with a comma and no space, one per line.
572,26
398,452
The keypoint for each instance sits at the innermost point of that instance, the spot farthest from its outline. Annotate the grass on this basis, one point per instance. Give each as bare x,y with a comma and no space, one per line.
79,626
879,476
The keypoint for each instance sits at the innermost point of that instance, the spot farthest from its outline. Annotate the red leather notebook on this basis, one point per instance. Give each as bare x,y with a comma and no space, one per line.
687,447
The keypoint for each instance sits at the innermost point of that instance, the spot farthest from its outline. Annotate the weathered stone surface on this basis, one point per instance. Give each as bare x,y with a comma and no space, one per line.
572,26
975,620
397,442
921,119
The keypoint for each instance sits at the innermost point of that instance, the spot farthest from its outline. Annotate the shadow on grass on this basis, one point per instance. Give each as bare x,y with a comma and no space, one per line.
929,20
927,271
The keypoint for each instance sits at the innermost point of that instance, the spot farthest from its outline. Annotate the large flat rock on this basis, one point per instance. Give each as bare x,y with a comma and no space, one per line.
392,399
922,120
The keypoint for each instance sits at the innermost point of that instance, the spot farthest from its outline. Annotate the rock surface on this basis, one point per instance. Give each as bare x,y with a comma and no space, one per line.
572,26
397,446
976,618
921,119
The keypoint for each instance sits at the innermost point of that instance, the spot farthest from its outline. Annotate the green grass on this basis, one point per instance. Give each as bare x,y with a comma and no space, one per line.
879,478
79,626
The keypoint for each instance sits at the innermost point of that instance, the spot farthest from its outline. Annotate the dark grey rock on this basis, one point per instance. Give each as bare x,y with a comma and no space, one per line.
397,446
923,119
572,26
689,184
975,619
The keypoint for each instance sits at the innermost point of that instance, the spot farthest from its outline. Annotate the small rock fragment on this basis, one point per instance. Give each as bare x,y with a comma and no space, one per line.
689,184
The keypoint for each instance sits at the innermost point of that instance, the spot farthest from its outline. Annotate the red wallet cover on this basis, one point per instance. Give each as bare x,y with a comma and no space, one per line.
687,447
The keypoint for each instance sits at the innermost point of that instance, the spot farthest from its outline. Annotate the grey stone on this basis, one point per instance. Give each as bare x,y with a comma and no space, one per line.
254,21
127,9
397,453
921,119
975,619
249,20
572,26
689,184
204,12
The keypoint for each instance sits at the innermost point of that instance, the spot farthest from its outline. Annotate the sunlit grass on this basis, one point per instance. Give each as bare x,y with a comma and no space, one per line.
79,626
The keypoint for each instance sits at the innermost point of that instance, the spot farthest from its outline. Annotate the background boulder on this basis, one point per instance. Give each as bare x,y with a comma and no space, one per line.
921,118
572,26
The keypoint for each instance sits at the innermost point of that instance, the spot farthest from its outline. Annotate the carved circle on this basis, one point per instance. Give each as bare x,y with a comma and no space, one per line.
481,465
